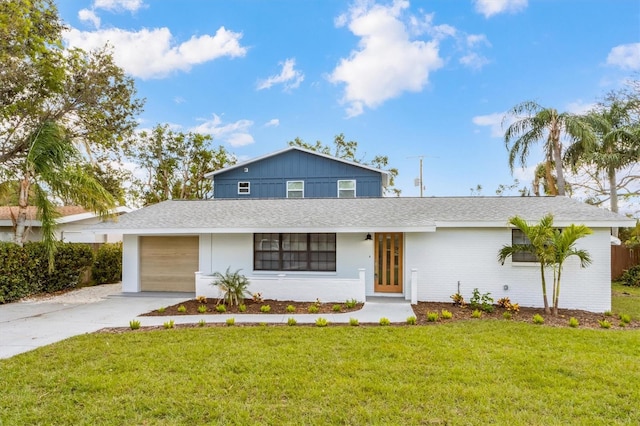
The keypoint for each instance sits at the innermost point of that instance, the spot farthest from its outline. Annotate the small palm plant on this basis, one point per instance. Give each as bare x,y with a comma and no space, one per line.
232,285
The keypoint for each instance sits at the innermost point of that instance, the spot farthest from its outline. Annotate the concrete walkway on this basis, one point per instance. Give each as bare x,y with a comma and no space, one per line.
27,325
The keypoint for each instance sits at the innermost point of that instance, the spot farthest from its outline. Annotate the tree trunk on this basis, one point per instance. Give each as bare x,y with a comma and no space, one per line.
556,296
544,290
613,192
557,154
23,202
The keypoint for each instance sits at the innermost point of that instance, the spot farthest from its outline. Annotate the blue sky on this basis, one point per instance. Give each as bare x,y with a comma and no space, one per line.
403,78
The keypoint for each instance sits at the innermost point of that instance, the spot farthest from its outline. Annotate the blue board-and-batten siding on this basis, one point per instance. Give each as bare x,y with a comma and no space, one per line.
268,177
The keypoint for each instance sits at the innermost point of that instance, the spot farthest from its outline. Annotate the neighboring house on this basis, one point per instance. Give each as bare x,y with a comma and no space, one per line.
421,249
71,228
298,173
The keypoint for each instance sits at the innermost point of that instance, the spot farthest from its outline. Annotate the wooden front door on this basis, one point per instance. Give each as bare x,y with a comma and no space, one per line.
388,263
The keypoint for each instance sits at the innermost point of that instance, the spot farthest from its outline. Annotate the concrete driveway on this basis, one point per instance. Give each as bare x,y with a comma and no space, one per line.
30,324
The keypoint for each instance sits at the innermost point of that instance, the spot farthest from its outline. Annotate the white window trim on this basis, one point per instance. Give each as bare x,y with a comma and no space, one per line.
354,187
248,188
295,190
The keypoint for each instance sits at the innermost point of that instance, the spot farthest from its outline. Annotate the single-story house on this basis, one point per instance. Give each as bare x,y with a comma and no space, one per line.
71,225
421,249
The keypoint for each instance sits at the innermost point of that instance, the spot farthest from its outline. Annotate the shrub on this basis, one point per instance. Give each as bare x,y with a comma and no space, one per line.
481,301
230,321
607,313
203,308
134,324
604,323
506,315
313,309
432,316
625,318
291,309
257,297
168,324
573,322
354,322
25,270
446,314
336,308
411,320
242,307
384,321
161,309
265,309
221,309
351,303
107,267
292,321
202,323
202,299
476,314
321,322
458,300
506,304
631,277
537,319
182,309
233,286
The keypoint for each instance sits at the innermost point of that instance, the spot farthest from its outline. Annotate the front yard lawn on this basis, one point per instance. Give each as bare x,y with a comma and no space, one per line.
625,300
468,372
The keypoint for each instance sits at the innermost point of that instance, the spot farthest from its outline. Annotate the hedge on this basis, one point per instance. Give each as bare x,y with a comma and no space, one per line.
24,270
107,268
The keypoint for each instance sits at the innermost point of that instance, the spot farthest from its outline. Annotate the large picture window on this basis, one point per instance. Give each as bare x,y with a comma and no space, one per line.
294,252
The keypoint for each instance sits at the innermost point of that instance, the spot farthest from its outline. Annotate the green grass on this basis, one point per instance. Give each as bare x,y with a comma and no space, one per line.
625,303
470,372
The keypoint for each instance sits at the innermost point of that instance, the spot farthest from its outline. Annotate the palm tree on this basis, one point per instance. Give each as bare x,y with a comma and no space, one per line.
53,167
563,246
539,236
535,123
616,146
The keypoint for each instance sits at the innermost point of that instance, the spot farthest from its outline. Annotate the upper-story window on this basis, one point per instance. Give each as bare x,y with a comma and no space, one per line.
346,189
244,188
295,189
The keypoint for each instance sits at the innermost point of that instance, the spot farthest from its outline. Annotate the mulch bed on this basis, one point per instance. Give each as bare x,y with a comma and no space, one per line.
253,307
585,319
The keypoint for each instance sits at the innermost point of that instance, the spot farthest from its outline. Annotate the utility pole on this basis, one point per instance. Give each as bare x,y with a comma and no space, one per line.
419,180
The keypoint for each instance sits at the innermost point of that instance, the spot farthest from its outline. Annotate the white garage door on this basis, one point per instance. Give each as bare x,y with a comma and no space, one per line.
168,263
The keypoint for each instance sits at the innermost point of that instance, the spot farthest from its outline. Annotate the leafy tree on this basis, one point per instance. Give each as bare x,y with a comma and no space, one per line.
348,150
562,245
617,146
539,235
535,123
175,164
86,93
53,168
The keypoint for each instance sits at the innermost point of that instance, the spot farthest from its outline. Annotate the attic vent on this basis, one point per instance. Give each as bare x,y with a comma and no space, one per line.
246,170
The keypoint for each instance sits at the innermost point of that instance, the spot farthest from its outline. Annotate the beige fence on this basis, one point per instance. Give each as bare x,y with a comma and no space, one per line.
623,258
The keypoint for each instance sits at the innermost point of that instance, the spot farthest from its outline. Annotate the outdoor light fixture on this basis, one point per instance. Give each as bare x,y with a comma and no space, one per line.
368,237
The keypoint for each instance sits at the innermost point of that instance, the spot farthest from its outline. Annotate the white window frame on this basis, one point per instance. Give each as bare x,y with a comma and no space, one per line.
244,190
295,190
353,181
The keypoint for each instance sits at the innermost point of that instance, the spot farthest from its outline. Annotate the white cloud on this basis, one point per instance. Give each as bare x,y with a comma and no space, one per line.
579,107
493,7
493,121
474,61
130,5
87,15
274,122
625,56
387,62
477,39
290,77
236,134
154,53
179,100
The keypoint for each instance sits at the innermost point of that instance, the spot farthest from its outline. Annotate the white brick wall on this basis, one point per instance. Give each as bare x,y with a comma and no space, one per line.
470,256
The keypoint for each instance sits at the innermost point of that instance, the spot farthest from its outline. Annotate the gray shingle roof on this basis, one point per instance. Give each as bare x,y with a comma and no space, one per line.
354,215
